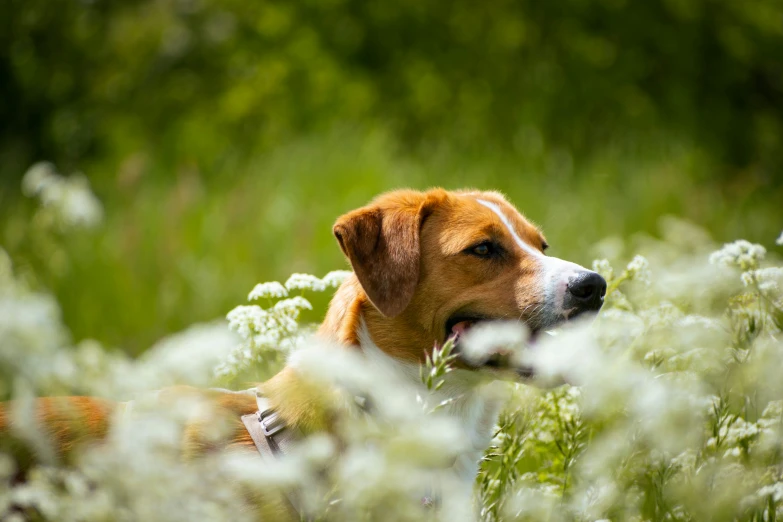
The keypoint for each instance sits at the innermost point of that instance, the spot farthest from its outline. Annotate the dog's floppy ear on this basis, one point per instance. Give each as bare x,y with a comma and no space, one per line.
381,241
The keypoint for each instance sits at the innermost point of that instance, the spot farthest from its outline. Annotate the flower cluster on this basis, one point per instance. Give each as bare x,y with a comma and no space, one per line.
69,202
676,404
267,333
742,254
673,409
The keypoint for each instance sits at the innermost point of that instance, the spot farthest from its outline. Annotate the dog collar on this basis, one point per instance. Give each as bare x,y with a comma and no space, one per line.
273,438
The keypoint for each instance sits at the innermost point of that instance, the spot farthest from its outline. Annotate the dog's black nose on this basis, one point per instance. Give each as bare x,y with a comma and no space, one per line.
586,291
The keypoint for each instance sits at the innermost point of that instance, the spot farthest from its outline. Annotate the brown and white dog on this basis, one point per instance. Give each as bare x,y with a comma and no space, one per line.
427,266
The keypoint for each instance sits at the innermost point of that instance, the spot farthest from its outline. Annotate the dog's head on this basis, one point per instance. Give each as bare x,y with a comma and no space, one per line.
436,263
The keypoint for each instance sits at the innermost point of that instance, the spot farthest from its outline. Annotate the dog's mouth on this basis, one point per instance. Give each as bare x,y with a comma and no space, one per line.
458,325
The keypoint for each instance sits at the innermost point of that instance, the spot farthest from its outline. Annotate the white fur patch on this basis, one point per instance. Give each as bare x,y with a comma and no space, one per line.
555,272
524,246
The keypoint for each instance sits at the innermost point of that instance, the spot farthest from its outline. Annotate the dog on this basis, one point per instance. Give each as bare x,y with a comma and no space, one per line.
427,267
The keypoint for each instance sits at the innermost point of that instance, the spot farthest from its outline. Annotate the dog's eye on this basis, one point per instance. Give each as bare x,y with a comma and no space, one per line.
485,249
481,250
544,246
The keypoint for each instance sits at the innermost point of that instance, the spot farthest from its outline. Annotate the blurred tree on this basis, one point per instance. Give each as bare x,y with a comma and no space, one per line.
199,79
203,125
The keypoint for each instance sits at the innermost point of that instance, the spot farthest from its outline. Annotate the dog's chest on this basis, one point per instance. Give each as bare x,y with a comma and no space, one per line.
464,397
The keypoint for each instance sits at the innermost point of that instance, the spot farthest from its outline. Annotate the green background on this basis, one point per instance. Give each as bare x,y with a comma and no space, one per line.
225,136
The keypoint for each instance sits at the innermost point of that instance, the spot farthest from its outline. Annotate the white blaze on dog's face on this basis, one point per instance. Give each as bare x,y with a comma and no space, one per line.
568,289
436,263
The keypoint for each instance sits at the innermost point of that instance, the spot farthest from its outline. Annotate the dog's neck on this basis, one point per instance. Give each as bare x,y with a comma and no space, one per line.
465,396
353,321
401,337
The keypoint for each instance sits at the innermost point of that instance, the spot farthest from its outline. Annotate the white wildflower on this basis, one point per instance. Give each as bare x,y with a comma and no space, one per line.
639,269
78,205
305,282
779,240
767,279
773,410
596,498
740,431
336,277
271,289
38,177
293,305
774,490
245,319
741,253
505,338
663,315
264,332
533,503
620,325
558,454
69,201
286,323
572,355
698,321
603,267
711,402
732,453
685,460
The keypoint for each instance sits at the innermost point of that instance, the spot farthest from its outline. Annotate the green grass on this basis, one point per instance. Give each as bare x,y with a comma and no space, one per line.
171,253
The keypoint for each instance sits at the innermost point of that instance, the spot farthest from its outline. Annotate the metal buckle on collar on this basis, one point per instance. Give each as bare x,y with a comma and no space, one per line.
270,421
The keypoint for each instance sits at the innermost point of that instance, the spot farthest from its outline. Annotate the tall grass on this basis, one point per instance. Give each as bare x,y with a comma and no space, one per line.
184,248
672,410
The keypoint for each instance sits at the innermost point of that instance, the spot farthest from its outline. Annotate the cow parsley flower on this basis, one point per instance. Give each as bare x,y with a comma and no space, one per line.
305,282
293,305
774,490
740,431
698,321
335,278
734,452
266,332
493,338
664,315
244,319
68,200
639,270
604,267
773,410
741,253
271,289
37,178
686,460
766,278
679,439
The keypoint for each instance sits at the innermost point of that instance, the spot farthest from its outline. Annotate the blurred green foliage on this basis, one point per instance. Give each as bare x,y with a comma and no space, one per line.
224,137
